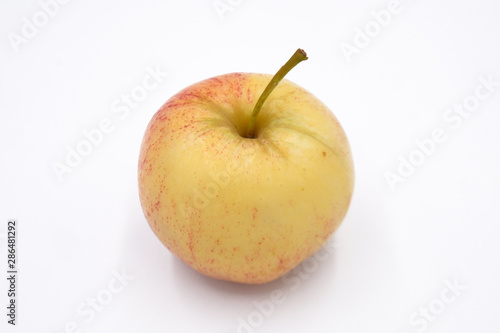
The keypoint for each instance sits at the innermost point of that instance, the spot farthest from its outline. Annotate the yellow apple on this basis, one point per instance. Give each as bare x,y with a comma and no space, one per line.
239,197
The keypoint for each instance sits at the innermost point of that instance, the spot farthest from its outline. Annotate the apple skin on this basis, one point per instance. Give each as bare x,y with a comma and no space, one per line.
244,209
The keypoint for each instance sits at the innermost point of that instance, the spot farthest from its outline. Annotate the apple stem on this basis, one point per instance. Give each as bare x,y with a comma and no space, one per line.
296,58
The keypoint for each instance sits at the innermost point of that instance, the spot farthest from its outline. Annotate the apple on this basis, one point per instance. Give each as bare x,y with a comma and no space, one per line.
241,184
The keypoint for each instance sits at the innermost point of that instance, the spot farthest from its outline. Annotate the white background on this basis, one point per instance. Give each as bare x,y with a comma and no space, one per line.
394,251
